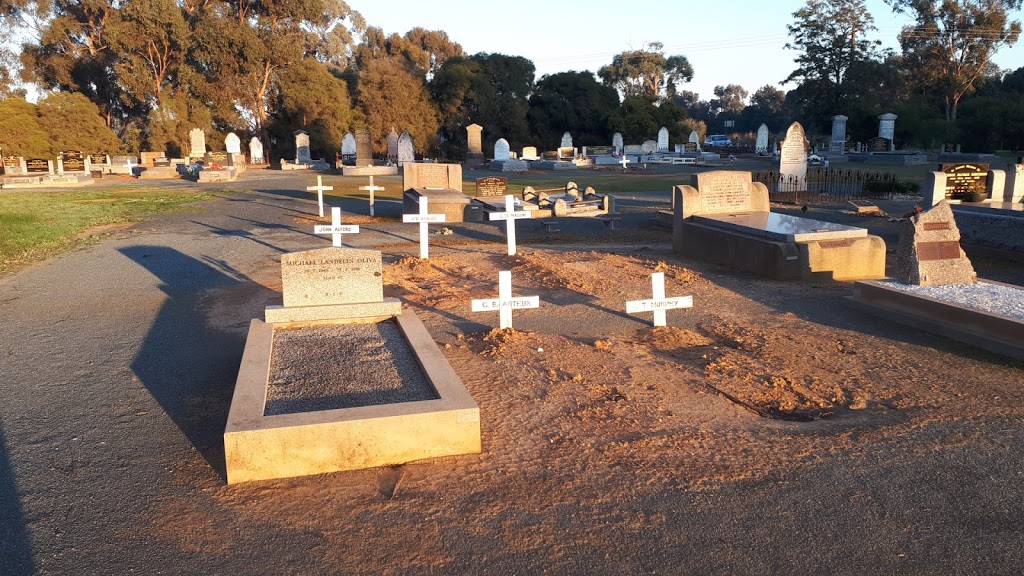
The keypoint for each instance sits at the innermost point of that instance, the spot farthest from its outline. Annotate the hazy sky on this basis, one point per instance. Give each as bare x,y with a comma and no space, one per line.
727,42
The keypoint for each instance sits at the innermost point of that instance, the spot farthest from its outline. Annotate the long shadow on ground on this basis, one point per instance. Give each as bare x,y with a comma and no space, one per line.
15,547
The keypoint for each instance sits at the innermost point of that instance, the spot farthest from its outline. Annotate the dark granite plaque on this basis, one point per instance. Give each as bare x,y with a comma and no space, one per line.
599,150
97,158
690,146
946,250
37,165
491,186
73,161
964,179
879,144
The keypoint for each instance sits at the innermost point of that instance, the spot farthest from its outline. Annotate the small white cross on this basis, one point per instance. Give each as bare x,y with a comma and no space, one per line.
371,188
336,229
319,192
424,218
505,303
510,216
659,303
624,161
131,171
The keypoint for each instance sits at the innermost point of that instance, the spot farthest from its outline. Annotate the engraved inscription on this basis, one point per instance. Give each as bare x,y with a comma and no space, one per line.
834,244
725,194
491,186
936,226
432,176
946,250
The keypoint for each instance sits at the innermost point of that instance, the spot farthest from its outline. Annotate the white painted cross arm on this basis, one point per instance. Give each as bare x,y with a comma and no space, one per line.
659,304
423,219
510,216
336,229
505,303
372,190
319,189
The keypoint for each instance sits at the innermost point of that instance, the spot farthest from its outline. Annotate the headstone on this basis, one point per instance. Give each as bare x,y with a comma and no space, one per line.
72,161
663,139
887,128
424,218
197,142
256,151
617,142
336,228
510,216
726,191
505,303
364,154
761,145
501,151
965,179
406,152
37,166
529,153
330,276
491,186
566,153
473,142
393,145
929,253
695,140
793,156
838,144
348,145
649,147
149,156
302,155
659,303
233,144
690,147
1014,190
879,144
319,189
566,141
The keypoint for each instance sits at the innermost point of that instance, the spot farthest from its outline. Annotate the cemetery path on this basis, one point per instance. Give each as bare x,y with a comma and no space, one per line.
768,429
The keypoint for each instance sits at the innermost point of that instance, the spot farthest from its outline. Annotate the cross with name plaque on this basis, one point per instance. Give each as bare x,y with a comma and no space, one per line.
320,193
371,189
659,304
424,218
505,302
510,216
336,229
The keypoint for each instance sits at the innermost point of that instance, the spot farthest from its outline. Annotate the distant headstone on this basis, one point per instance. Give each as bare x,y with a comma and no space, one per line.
690,147
232,143
197,142
491,186
663,139
761,145
406,151
72,161
256,151
838,144
887,127
529,153
302,148
331,276
617,142
879,144
501,151
566,153
929,253
37,166
348,145
649,147
364,154
695,140
473,142
793,156
566,141
393,145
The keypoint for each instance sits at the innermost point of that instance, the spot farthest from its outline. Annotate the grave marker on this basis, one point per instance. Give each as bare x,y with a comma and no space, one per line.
510,216
929,253
659,303
371,189
336,229
624,161
424,219
793,157
319,188
505,303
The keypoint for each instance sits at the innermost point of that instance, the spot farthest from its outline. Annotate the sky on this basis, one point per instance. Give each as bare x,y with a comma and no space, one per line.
727,42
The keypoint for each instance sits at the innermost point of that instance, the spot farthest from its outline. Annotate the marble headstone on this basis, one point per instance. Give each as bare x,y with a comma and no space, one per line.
232,143
364,155
566,141
793,156
529,153
617,142
331,276
197,142
473,142
727,191
649,147
348,145
256,151
302,148
838,143
929,253
761,145
887,128
393,145
501,150
695,140
663,139
406,150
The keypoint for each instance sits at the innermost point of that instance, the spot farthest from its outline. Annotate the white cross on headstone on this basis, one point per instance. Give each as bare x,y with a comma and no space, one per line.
505,303
371,188
423,219
336,229
510,216
624,161
659,303
319,192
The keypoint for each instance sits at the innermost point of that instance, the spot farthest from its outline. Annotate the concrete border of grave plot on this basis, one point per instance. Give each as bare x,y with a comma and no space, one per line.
986,330
258,447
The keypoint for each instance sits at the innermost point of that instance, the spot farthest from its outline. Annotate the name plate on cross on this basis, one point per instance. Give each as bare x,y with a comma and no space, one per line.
659,303
505,303
510,215
423,219
336,228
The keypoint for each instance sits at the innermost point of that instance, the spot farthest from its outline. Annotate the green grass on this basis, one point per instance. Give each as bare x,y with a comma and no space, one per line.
36,225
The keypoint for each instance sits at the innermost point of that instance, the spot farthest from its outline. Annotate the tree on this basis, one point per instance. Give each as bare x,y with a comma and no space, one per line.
151,39
310,97
574,102
20,130
729,99
390,96
639,119
766,107
646,72
73,122
831,38
950,46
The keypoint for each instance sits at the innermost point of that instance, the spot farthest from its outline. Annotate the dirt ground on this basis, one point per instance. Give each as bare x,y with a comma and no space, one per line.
769,429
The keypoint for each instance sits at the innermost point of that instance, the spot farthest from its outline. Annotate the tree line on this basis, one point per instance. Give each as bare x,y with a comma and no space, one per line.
139,74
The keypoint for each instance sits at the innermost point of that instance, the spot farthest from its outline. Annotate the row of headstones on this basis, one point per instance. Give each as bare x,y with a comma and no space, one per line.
661,145
961,181
72,161
400,147
232,145
883,143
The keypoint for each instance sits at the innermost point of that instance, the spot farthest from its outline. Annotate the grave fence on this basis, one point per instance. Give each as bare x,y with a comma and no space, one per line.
828,185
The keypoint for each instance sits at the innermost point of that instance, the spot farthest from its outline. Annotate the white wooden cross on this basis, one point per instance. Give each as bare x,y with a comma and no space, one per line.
319,192
131,169
336,229
624,161
510,216
371,188
505,303
423,219
659,303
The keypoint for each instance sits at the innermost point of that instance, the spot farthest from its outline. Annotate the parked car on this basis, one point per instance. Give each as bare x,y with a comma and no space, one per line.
717,140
